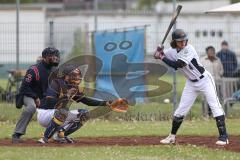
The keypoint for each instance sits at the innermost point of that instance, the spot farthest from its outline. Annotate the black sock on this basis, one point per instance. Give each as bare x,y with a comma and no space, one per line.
176,123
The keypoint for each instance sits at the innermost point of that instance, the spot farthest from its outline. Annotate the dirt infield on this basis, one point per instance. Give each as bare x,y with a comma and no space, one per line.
133,141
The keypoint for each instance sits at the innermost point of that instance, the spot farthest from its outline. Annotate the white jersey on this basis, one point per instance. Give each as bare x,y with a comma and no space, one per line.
194,69
198,81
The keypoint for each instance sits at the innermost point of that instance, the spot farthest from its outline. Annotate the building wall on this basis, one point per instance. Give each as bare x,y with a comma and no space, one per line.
203,30
31,35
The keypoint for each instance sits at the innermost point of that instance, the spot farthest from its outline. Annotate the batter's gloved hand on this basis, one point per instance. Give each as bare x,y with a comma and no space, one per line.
159,54
118,105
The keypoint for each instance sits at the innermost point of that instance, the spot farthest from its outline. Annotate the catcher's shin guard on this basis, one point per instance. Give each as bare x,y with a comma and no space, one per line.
71,127
52,128
83,115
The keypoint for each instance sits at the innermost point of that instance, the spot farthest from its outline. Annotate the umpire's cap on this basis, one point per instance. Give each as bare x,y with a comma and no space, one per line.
179,35
50,51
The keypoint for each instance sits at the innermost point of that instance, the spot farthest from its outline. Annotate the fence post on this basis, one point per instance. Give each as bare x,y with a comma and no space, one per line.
17,42
86,37
51,40
174,72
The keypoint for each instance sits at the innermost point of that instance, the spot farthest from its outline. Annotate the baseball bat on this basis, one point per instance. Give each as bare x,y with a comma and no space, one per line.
173,20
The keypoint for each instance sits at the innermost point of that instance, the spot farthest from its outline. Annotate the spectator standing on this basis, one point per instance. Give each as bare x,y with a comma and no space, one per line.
212,63
228,59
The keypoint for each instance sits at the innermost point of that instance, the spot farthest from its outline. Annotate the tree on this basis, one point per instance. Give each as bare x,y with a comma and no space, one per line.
147,4
235,1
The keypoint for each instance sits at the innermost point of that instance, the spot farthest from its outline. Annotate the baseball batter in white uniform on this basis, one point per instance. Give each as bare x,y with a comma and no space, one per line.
183,57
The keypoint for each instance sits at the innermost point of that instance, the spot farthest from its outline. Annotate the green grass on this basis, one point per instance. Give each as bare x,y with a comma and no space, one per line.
100,128
169,78
188,152
3,83
142,112
147,114
9,112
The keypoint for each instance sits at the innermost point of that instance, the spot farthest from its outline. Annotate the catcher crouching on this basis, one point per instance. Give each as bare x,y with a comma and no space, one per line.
54,113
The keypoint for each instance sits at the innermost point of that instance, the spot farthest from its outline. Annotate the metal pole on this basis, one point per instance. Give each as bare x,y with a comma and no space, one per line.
95,15
17,39
51,34
174,72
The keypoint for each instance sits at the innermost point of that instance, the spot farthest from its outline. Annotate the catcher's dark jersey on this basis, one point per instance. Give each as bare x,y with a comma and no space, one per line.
57,90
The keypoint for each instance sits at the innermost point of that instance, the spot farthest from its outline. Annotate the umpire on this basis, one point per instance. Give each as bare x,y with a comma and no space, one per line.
33,86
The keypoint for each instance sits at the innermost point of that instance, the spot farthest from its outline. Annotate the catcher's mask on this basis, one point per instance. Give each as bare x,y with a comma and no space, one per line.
74,77
178,35
51,56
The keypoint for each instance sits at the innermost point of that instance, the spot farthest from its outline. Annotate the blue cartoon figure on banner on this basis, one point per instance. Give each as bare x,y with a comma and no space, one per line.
122,54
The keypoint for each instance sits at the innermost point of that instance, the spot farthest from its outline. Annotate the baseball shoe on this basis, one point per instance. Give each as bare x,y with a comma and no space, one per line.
16,138
68,139
222,143
222,140
57,137
169,139
42,140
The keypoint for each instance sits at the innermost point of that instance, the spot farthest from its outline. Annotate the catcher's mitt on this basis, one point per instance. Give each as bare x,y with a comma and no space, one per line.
118,105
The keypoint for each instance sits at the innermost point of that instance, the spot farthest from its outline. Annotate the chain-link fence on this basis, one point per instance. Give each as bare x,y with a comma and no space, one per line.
69,36
74,39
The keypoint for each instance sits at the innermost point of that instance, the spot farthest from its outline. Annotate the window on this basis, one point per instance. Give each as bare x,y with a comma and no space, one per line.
205,33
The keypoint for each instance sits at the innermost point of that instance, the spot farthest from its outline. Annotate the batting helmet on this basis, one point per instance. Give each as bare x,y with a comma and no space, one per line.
179,35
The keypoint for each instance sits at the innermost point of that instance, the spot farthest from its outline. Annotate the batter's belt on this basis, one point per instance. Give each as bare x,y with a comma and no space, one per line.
196,80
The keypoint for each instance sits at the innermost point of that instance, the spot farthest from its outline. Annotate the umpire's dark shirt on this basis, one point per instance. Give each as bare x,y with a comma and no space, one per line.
55,93
35,83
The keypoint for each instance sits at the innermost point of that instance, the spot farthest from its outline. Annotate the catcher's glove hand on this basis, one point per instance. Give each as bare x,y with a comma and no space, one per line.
118,105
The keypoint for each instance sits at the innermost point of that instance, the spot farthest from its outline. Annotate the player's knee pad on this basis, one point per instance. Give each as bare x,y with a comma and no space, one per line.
60,116
178,118
83,115
52,128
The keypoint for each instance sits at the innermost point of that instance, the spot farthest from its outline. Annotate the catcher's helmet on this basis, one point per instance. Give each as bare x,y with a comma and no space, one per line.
179,35
72,75
75,77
